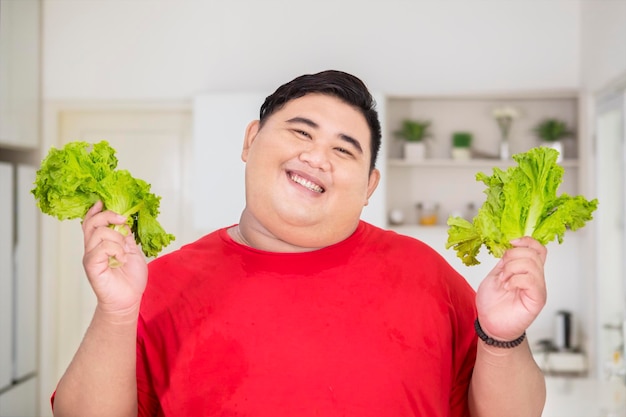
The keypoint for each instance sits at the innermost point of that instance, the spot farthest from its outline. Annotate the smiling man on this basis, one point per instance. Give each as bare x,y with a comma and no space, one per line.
302,309
308,175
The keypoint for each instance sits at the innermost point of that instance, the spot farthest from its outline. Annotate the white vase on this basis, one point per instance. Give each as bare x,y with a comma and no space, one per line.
504,150
396,217
461,154
414,151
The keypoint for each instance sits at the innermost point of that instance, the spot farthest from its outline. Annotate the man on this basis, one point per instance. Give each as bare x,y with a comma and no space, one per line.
302,309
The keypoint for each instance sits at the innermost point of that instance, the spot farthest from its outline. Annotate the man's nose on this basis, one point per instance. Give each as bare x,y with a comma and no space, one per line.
316,156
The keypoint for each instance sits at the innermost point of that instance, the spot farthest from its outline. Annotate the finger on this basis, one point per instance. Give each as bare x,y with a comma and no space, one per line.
104,218
93,210
130,245
96,208
496,271
523,273
522,261
102,234
101,219
96,260
522,276
516,259
532,294
531,243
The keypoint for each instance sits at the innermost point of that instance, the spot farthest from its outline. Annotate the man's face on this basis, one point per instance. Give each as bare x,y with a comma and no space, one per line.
307,171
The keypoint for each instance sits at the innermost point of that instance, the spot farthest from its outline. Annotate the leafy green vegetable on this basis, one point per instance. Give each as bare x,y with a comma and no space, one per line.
521,201
73,179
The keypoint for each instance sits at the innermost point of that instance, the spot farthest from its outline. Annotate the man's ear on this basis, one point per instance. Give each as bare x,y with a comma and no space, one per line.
372,184
251,131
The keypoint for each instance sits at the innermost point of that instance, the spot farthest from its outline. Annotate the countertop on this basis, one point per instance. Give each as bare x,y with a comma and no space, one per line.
584,397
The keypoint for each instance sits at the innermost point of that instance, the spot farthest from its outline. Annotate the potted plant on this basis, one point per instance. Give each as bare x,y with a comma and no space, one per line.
414,132
461,144
551,132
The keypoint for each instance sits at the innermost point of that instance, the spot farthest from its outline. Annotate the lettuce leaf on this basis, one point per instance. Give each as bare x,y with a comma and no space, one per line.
71,180
521,201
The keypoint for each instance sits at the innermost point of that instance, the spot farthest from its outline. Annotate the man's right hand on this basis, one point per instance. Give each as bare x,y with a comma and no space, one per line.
118,289
101,378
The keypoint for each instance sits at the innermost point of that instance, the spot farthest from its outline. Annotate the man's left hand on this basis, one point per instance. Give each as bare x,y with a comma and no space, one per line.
514,292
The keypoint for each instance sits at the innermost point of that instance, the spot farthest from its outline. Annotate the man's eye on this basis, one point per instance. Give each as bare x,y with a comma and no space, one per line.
302,133
344,150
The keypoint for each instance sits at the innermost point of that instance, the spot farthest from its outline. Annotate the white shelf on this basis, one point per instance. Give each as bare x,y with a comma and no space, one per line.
472,163
19,74
416,229
557,363
449,183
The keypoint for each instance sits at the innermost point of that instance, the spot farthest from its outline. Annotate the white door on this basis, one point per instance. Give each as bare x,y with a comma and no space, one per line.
153,145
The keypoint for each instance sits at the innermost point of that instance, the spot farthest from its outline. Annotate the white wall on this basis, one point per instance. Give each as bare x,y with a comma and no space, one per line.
163,49
159,49
142,49
173,50
603,43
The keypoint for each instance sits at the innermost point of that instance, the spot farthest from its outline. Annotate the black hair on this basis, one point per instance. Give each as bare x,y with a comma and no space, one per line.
342,85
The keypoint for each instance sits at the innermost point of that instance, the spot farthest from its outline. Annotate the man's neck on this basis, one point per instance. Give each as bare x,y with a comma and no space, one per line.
252,233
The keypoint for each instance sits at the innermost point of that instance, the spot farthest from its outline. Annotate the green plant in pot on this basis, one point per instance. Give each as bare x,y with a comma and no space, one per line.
461,144
413,133
552,131
414,130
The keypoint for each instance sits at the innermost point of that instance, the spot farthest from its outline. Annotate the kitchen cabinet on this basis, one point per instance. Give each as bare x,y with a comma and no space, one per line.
449,184
19,256
6,274
26,251
21,401
584,397
20,73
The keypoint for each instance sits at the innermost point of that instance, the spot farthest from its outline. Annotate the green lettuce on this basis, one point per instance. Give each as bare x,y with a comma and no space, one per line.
521,201
72,179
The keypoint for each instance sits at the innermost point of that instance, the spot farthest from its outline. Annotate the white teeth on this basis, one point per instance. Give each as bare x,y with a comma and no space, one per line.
306,183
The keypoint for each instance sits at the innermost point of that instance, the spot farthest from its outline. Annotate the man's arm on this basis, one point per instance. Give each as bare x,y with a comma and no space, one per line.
101,379
506,381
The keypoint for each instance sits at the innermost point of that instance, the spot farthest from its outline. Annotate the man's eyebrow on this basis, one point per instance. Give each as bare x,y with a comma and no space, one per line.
355,143
304,120
352,141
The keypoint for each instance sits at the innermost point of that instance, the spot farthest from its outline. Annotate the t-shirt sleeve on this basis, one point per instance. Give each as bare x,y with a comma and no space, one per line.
147,401
459,405
463,297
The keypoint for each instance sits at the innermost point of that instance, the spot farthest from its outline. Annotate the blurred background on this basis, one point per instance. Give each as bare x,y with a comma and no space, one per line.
172,85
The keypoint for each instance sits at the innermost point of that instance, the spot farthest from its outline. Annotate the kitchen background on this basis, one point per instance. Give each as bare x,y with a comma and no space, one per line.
172,85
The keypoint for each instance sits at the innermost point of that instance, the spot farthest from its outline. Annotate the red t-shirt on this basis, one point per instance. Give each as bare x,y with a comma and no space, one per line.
377,325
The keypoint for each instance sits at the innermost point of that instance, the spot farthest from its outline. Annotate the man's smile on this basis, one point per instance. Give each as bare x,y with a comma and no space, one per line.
305,183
